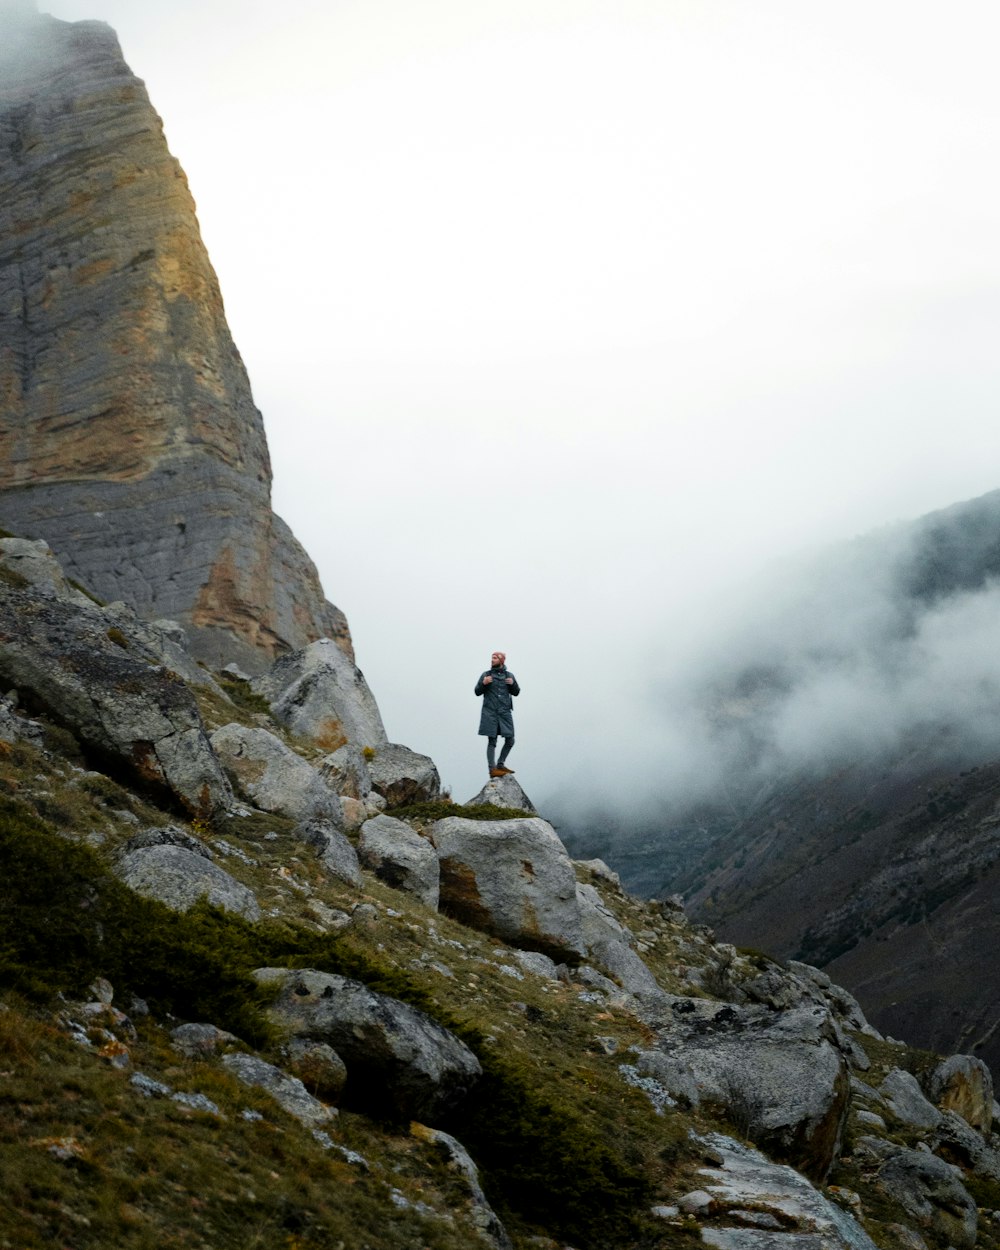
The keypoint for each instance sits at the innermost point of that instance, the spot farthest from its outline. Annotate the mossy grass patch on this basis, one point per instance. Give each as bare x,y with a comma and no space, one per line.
438,809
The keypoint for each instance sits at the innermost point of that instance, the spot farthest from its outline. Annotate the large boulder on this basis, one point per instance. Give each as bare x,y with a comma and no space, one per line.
180,877
503,792
400,857
513,879
320,693
333,849
964,1084
399,1061
403,776
272,776
903,1096
110,691
779,1077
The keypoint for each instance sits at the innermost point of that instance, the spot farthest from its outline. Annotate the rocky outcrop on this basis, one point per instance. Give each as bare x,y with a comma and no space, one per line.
503,792
904,1098
779,1075
335,851
398,1060
110,692
609,944
345,771
511,878
128,434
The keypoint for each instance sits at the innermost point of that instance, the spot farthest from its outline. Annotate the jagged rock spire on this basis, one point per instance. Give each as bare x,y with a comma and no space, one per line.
129,439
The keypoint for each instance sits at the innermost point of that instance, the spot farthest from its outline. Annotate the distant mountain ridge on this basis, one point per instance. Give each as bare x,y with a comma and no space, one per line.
129,439
878,860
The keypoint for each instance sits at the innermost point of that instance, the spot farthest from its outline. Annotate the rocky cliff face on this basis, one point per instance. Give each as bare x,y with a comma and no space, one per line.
129,439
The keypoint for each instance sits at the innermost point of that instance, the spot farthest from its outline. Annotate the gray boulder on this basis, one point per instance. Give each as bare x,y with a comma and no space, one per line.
319,1067
334,850
179,878
399,1061
744,1186
903,1096
287,1091
31,563
320,693
513,879
111,693
201,1041
403,776
272,777
779,1076
345,771
608,944
929,1190
964,1084
503,792
400,857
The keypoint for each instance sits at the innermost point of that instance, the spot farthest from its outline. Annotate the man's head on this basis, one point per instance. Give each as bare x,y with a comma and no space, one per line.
497,659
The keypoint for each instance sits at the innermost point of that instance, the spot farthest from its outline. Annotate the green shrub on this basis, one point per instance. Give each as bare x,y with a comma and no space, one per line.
239,693
542,1161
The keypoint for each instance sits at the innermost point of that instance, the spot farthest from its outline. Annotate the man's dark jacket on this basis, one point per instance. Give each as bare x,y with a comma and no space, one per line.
497,719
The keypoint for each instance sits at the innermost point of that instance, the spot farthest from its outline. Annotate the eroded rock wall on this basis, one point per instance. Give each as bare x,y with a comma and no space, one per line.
129,438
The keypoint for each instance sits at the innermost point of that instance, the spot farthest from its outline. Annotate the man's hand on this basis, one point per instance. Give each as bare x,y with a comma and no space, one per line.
510,681
487,681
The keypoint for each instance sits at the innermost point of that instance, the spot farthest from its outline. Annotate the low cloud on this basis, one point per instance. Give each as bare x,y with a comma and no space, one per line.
867,651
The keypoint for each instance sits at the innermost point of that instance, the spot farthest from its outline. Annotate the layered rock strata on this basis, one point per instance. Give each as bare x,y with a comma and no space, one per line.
129,438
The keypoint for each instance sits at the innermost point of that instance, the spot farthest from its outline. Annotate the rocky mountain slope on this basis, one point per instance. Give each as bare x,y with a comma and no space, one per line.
876,856
254,992
128,434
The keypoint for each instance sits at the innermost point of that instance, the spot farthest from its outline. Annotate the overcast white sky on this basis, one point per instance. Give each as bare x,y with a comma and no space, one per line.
562,314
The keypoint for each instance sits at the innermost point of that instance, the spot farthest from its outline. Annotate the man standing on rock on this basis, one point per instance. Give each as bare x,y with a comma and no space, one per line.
496,686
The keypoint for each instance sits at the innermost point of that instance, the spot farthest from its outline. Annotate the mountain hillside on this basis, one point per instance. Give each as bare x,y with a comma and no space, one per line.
254,993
